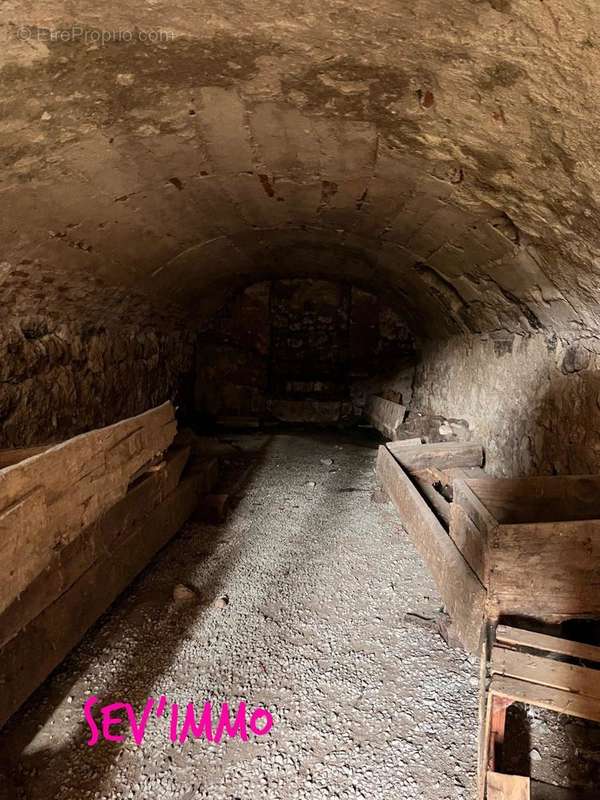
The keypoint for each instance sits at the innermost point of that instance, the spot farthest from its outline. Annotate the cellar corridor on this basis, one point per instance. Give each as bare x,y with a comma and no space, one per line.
340,645
299,390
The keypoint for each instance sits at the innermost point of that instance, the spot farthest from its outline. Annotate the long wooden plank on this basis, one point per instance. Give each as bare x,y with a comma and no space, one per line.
425,479
463,595
507,787
385,415
439,454
546,672
27,659
505,634
96,540
549,571
575,705
471,542
68,487
465,497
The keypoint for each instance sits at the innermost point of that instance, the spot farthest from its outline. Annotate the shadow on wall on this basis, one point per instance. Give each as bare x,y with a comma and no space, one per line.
567,424
302,350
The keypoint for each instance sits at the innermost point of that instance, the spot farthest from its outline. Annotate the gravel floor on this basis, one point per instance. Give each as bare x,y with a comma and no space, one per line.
367,703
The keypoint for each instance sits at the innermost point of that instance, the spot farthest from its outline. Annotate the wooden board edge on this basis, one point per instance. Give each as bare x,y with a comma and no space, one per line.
461,590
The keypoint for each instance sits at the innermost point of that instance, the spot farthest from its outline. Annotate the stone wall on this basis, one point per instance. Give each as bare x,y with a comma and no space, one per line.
76,354
533,400
302,350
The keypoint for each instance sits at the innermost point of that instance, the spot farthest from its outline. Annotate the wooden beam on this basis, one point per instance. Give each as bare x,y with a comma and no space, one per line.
425,479
439,454
17,454
550,644
471,542
546,672
461,591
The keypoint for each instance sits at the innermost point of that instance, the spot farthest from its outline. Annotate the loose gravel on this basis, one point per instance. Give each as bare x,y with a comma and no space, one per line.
310,601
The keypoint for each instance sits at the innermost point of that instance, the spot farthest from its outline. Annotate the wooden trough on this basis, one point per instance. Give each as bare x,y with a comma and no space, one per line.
462,592
497,547
533,542
78,521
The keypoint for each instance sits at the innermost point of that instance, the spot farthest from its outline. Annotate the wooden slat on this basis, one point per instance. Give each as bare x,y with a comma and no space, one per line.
549,571
507,787
546,672
575,705
506,634
28,658
462,593
385,415
440,455
471,542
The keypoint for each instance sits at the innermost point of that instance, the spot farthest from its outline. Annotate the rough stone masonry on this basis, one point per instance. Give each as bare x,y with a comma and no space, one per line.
438,154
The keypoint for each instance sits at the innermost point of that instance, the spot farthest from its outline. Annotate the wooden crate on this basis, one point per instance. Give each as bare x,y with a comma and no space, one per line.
538,670
534,543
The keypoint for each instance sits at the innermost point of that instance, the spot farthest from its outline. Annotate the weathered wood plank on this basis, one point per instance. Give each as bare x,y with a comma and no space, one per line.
96,540
439,454
467,499
425,479
28,658
74,483
471,542
575,705
508,635
385,415
507,787
550,571
546,672
464,473
462,593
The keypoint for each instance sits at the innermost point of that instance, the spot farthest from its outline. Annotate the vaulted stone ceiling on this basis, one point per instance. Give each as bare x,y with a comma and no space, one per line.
444,153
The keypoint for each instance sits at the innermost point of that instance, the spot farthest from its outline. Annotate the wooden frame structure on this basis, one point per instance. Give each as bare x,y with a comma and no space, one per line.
537,670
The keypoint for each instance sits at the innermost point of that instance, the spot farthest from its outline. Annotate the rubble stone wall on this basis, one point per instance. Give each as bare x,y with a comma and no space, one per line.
533,400
75,355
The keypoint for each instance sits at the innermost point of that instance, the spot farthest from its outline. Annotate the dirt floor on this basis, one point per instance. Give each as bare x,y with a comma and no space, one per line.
310,601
